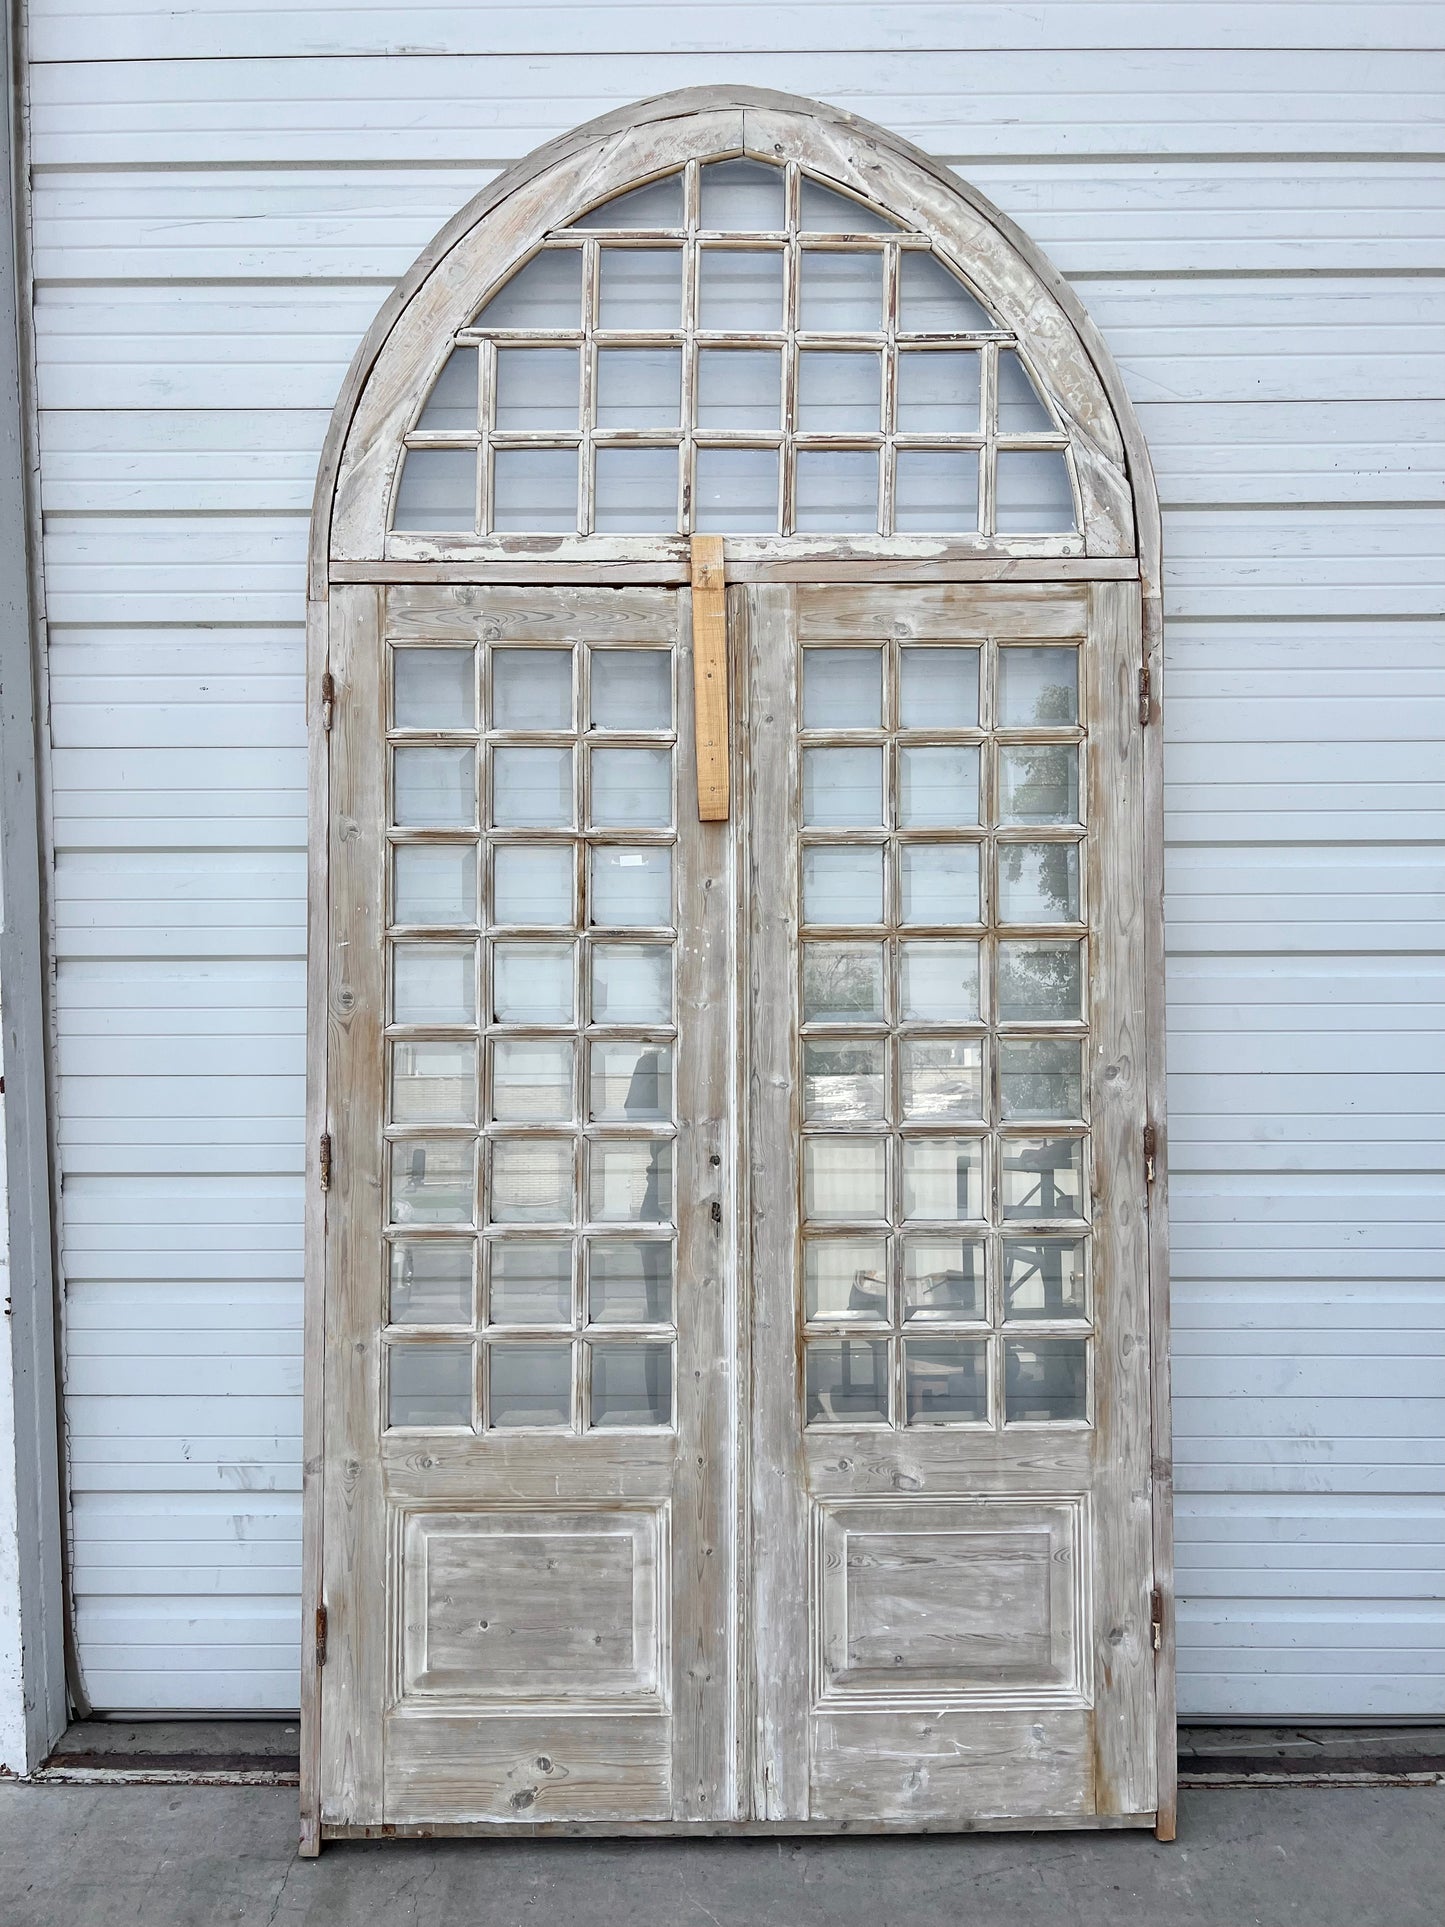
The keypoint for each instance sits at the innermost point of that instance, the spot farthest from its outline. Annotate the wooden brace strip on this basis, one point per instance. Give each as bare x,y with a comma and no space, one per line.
710,677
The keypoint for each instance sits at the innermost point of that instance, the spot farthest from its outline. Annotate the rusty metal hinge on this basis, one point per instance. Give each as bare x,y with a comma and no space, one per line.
321,1636
1151,1146
1156,1617
1144,695
328,699
325,1160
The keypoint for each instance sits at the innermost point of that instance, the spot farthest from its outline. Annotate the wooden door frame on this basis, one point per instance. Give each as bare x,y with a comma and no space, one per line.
360,455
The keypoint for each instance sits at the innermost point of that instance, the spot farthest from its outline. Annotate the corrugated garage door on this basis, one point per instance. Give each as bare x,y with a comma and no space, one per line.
221,203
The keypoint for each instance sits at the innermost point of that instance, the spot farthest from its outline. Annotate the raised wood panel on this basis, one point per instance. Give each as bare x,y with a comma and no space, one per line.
519,1606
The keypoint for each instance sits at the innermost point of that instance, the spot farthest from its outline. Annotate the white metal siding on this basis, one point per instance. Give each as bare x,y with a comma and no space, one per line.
1248,200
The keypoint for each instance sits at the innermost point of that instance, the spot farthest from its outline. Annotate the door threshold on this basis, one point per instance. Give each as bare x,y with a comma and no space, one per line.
181,1752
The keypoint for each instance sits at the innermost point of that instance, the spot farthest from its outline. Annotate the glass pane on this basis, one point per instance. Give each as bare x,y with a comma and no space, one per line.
632,788
658,205
435,688
532,983
431,1282
842,983
943,1177
1038,882
821,211
545,293
531,1283
742,195
631,983
843,884
843,787
1038,783
640,288
532,1180
739,388
533,883
1020,407
740,290
629,1281
631,1384
737,491
636,491
842,688
631,889
532,788
1033,494
433,1082
942,1078
631,1082
844,1179
433,983
836,490
939,981
433,1180
1042,1177
1043,1278
429,1385
631,689
639,387
1046,1380
1042,981
534,490
938,785
531,689
936,491
529,1385
938,688
846,1381
1038,686
844,1081
538,389
435,883
943,1280
436,788
938,392
631,1180
532,1080
438,489
1041,1077
939,882
452,404
839,392
933,301
846,1278
840,293
945,1381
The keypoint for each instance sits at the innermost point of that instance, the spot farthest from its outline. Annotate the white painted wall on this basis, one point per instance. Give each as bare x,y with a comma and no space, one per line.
1247,196
14,1756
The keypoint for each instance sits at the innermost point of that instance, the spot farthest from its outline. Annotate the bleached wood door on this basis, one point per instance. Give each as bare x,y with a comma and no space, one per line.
737,1380
527,1541
951,1495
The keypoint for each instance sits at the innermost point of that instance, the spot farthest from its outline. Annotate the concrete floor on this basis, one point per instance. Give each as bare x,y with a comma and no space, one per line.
88,1856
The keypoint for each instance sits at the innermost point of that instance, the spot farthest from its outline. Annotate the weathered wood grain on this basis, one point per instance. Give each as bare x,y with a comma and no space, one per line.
710,678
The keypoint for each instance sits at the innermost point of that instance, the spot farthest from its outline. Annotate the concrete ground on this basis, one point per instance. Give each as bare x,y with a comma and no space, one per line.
170,1856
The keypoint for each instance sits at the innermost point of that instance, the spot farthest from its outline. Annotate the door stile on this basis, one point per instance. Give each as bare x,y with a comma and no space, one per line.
703,1502
779,1646
354,1549
1122,1499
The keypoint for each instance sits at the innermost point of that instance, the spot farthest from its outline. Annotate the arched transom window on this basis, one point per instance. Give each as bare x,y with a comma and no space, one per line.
736,348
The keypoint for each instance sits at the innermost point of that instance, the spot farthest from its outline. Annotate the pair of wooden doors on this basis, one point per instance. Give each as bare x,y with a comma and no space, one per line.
737,1350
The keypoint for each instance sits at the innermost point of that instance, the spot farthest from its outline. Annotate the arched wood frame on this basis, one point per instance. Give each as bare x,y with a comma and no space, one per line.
350,542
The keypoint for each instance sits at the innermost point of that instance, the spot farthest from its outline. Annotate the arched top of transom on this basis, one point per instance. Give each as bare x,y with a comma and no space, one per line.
747,344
